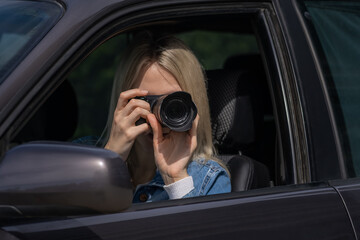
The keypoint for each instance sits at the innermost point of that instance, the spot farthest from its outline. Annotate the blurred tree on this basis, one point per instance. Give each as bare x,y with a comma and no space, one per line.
213,48
92,81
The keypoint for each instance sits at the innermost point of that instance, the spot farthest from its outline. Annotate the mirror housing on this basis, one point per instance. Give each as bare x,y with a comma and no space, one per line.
53,178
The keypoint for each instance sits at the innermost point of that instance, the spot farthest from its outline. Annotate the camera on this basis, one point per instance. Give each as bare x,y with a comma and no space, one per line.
176,110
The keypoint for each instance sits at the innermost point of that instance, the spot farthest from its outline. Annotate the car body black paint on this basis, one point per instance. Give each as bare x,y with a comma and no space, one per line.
310,211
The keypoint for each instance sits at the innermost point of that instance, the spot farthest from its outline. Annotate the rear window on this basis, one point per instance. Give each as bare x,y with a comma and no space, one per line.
336,33
22,25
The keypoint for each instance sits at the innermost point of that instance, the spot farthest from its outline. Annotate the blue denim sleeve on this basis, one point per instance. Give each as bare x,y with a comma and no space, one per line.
209,178
88,140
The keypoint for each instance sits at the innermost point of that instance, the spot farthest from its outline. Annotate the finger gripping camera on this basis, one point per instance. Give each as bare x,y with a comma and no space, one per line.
176,110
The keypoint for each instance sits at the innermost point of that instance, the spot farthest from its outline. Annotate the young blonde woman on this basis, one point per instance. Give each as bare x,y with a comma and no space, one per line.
164,164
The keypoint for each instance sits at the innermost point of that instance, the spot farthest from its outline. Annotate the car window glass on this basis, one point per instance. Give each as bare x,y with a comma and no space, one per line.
22,25
337,29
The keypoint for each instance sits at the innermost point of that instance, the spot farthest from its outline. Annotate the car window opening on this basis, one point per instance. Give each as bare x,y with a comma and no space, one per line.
243,125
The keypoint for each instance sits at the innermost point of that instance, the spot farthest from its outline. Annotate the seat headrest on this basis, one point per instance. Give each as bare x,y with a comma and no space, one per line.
236,110
245,61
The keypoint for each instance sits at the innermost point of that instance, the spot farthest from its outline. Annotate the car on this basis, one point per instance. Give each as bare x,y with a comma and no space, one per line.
283,84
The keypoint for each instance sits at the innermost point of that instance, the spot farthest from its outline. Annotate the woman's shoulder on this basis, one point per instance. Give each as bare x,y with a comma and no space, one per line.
203,164
210,176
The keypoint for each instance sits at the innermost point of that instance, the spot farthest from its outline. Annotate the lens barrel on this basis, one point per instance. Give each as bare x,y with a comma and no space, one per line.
176,110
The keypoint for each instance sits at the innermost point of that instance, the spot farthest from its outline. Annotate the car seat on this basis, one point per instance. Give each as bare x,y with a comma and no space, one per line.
266,143
237,122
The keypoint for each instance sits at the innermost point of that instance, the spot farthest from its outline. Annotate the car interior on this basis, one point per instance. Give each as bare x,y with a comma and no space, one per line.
242,116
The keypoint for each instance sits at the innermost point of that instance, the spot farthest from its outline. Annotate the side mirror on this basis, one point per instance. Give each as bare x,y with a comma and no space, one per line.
52,178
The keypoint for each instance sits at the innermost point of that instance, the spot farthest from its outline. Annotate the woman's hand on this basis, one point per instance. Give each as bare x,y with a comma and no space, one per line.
173,150
124,131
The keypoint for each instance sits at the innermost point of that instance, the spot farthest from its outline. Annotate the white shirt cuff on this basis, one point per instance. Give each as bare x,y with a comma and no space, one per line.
180,188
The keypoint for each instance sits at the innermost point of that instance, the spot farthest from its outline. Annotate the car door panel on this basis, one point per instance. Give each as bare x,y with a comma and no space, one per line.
350,192
307,213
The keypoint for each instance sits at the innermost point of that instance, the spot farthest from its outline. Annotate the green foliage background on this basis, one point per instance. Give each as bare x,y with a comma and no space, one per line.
92,79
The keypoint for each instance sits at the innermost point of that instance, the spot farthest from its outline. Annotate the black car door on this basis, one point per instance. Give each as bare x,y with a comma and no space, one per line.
294,212
301,205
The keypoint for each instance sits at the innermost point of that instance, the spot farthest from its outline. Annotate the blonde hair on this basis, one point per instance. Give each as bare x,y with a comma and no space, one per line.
171,54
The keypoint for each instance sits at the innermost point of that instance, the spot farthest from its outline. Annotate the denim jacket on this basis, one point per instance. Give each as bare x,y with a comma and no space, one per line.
208,177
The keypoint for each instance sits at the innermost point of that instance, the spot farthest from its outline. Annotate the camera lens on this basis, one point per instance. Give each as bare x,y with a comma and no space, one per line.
177,111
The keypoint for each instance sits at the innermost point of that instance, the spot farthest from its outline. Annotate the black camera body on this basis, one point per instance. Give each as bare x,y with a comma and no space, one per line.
176,110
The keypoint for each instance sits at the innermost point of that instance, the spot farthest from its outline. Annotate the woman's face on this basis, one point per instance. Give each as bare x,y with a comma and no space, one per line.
157,81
